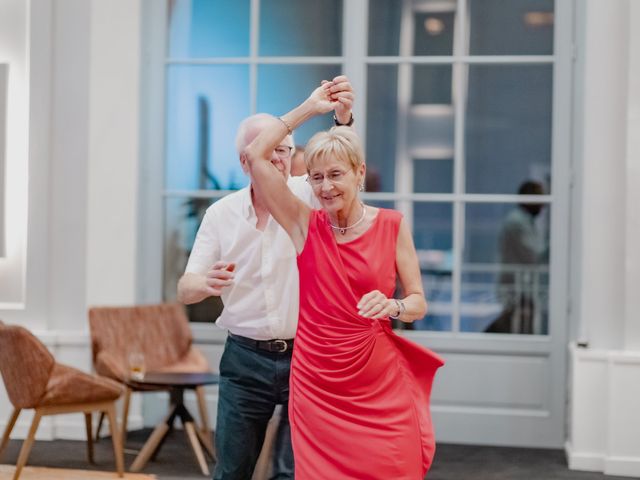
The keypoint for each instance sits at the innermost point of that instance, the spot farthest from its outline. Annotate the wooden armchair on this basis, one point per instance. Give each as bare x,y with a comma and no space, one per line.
160,332
33,379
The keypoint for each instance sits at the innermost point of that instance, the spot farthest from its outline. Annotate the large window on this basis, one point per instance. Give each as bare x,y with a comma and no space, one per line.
454,103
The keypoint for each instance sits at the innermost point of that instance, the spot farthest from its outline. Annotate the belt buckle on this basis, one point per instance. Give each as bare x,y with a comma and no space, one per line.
281,345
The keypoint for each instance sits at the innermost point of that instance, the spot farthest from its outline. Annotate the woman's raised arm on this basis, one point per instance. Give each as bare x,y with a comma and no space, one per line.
289,211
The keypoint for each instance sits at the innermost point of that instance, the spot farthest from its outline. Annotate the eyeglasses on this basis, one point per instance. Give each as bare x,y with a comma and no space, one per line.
283,151
334,176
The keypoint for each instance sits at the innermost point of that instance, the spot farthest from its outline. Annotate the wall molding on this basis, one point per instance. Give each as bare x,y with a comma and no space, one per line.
604,418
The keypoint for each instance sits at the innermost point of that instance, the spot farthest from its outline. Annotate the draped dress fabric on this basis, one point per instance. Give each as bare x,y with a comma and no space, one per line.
359,397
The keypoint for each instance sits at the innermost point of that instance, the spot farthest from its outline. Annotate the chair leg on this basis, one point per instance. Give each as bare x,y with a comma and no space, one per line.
125,414
99,428
7,431
87,422
27,444
205,431
116,439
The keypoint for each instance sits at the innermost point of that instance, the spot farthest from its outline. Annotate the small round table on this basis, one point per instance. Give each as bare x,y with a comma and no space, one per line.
176,384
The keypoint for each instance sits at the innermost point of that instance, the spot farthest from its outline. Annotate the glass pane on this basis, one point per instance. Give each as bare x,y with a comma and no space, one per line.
295,28
433,176
430,129
208,28
431,84
433,236
382,108
282,87
205,104
505,275
432,24
515,27
182,220
508,127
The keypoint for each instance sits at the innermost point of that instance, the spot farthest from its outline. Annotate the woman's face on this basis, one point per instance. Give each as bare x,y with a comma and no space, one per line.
335,183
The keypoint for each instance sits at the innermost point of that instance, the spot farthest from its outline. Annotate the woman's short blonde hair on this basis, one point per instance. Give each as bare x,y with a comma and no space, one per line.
341,143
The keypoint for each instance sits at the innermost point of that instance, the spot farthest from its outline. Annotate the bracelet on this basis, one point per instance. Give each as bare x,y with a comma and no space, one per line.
338,124
289,129
401,309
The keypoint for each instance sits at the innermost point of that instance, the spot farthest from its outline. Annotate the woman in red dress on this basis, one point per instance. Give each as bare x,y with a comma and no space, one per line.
359,396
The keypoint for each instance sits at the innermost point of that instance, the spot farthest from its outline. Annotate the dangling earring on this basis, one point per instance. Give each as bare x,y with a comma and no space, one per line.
361,187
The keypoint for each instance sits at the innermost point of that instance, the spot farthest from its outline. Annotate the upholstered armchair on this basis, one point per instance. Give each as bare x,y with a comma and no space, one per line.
34,380
160,332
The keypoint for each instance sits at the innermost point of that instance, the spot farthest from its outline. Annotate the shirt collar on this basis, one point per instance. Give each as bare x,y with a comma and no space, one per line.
247,206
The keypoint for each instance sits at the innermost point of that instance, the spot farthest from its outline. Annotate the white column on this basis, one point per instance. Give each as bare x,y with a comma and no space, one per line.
600,203
632,267
67,202
113,151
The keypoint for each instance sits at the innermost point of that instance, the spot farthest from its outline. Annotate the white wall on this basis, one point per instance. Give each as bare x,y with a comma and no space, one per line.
599,204
632,264
77,85
14,34
113,152
604,388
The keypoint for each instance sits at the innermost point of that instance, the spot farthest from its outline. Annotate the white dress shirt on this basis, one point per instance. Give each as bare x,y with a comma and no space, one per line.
262,303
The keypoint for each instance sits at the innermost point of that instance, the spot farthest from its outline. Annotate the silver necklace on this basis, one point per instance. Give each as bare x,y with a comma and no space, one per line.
343,230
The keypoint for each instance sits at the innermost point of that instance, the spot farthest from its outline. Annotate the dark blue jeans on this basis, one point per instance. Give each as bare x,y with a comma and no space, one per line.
252,383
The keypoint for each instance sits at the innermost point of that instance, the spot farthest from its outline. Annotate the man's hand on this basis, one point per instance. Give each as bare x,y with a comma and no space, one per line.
340,90
193,287
220,275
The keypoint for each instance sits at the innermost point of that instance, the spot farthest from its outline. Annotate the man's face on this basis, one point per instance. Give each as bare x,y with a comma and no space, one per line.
281,155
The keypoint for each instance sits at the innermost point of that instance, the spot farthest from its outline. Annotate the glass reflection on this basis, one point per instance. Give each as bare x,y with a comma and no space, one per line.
429,136
433,237
505,277
433,33
295,28
281,87
516,27
431,27
182,220
204,106
382,121
208,28
508,126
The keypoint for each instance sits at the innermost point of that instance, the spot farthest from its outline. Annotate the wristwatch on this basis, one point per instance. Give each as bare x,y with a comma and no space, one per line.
401,309
338,124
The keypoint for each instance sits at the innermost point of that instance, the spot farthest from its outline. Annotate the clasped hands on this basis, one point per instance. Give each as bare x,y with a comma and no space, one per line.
336,94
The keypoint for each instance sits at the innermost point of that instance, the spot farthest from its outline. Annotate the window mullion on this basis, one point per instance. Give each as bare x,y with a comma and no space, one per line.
459,76
254,39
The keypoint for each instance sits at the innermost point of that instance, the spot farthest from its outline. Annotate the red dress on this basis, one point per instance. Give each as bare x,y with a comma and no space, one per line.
359,399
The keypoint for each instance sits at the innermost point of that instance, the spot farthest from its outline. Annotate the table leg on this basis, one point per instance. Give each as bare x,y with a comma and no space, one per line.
194,441
147,450
205,440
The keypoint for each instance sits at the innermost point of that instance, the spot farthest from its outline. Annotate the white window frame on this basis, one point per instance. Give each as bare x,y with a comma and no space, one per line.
355,61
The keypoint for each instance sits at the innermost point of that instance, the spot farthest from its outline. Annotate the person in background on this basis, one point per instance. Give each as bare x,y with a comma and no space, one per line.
359,400
242,255
521,249
298,168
